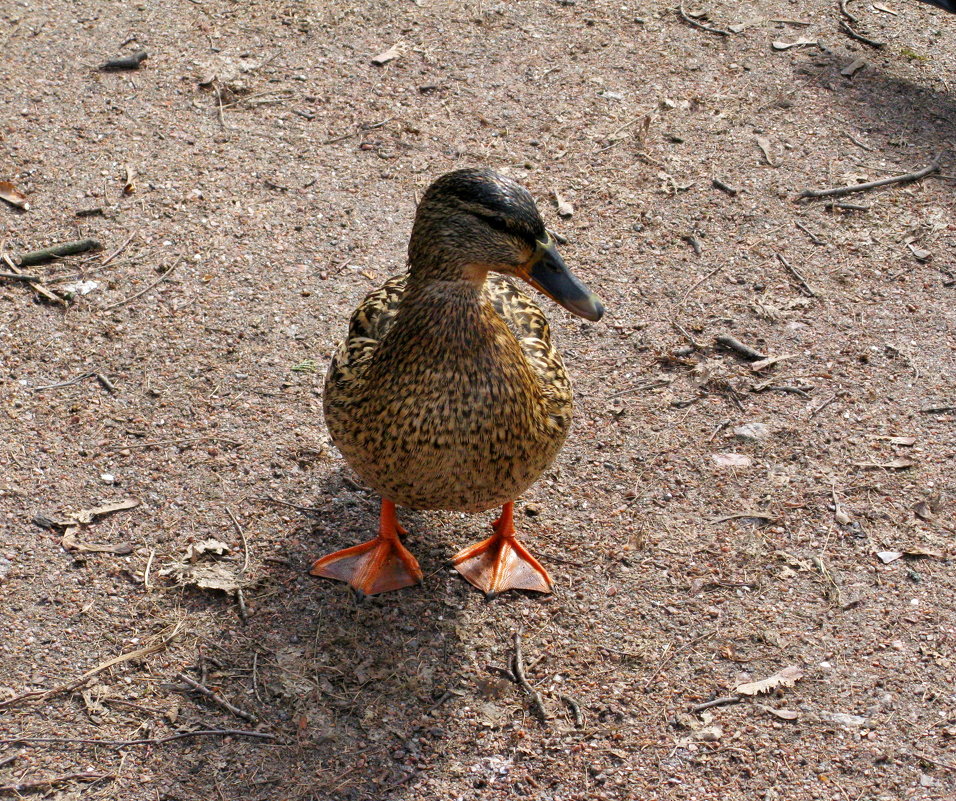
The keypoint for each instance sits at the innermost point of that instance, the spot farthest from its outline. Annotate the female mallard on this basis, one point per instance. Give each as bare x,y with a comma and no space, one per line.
447,392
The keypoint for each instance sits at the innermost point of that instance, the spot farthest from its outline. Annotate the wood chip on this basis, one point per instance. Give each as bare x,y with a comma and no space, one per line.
797,43
13,196
853,67
565,209
886,557
764,144
388,55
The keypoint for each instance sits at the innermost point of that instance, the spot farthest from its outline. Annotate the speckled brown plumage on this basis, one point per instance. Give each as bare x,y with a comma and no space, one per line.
449,396
447,392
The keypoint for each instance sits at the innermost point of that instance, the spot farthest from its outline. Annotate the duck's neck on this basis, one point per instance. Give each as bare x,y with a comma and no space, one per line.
451,310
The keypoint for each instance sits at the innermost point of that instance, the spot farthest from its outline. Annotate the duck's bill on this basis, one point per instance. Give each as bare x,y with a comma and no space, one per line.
548,273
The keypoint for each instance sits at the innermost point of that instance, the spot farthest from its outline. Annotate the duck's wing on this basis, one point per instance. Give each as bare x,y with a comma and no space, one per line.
530,327
370,322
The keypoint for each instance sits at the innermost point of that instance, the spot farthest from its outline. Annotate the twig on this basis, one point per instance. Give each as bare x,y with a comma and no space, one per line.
215,697
107,259
739,347
69,383
640,388
813,237
846,12
575,708
41,290
938,409
241,600
947,765
242,536
149,564
277,502
518,666
181,441
30,279
668,657
699,282
839,191
39,784
56,252
107,384
700,25
845,27
742,516
822,406
142,292
8,759
793,271
684,333
130,62
41,695
147,741
725,701
781,388
847,207
730,190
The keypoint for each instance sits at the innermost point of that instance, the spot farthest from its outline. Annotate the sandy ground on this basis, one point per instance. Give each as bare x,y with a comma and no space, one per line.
271,174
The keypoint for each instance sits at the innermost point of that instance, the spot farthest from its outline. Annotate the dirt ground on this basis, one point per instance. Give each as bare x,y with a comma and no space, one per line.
258,175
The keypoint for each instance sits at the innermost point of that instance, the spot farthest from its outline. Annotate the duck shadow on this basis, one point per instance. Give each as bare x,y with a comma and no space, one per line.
354,690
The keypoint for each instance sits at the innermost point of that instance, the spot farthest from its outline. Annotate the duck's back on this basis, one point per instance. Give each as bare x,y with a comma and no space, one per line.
439,411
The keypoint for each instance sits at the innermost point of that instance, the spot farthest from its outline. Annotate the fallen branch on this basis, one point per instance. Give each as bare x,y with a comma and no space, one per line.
537,706
216,698
575,708
839,191
42,695
56,252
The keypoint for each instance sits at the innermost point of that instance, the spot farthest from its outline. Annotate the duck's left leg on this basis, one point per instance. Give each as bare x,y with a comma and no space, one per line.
502,563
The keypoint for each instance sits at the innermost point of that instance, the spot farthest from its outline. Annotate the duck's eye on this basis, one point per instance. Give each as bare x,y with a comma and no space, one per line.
502,225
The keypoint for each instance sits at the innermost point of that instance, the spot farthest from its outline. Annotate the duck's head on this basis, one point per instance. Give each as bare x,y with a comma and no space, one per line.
476,220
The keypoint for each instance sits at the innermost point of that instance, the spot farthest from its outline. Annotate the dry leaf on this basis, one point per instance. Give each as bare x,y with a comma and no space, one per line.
731,460
388,55
917,552
764,144
213,546
894,464
784,678
13,196
907,441
919,254
565,209
86,516
888,556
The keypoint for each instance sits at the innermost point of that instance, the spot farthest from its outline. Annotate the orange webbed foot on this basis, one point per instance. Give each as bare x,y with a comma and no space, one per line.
379,565
502,563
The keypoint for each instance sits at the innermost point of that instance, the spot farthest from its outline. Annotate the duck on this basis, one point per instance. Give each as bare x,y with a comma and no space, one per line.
448,392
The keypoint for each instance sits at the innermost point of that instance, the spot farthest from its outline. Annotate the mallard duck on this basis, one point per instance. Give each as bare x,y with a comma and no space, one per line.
447,393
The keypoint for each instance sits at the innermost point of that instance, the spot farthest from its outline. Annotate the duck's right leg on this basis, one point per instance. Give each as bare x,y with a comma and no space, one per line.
379,565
